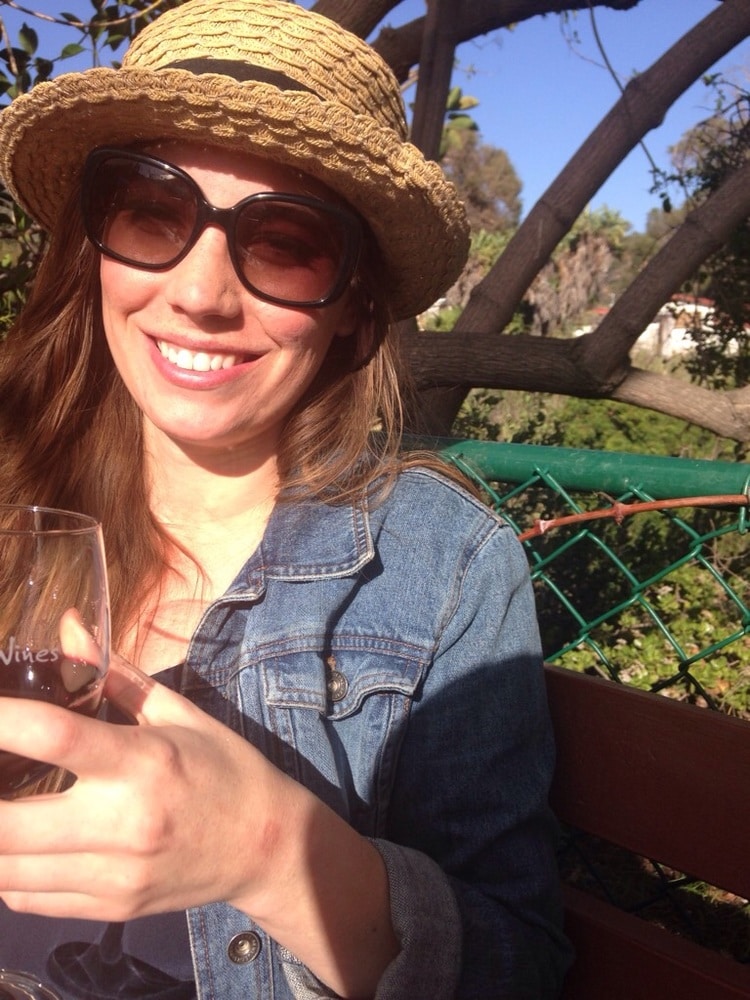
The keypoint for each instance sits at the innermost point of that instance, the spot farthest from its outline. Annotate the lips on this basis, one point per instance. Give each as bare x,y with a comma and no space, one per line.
198,361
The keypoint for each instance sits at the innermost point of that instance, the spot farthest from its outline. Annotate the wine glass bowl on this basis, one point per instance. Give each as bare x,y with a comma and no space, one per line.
54,623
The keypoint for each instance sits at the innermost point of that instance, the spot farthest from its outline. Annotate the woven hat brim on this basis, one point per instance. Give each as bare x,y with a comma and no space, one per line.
411,208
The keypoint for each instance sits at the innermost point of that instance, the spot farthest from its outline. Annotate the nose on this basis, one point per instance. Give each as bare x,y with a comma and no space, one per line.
204,283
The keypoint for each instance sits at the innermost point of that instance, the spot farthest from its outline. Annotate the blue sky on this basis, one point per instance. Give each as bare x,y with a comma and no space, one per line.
540,96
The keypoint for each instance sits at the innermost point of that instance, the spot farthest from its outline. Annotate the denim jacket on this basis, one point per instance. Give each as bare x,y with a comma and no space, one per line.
386,656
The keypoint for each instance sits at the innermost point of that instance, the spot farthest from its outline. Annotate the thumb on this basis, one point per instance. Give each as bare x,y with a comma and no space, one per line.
138,695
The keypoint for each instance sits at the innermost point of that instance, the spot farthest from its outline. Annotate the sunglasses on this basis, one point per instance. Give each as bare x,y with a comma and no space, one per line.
290,249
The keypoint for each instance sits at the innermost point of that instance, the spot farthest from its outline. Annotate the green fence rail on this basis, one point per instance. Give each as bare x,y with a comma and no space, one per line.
641,570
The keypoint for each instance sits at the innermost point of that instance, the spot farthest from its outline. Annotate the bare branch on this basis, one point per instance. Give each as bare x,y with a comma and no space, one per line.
597,365
726,414
539,364
535,364
619,511
477,17
361,17
68,23
435,71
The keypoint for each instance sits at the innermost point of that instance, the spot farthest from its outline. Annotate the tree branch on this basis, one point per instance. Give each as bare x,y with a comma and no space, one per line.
400,47
534,364
539,364
361,17
477,17
726,414
435,72
597,365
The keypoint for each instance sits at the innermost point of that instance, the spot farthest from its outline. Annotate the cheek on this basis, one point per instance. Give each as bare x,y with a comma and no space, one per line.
122,295
121,287
305,333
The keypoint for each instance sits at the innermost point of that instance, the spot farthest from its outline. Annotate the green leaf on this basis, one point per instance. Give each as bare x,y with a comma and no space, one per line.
115,39
17,56
71,50
454,99
43,69
461,121
29,39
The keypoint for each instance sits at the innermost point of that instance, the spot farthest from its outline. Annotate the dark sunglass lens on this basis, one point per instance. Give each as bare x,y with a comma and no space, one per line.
290,252
140,211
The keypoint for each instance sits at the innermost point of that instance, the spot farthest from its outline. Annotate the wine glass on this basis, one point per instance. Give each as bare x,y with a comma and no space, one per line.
54,643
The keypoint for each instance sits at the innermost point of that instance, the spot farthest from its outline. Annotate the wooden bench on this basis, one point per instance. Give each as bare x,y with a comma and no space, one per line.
667,781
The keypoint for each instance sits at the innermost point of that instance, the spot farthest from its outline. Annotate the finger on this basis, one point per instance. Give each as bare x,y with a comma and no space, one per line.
56,735
77,643
115,880
127,687
41,826
74,906
60,737
71,905
84,873
144,699
92,747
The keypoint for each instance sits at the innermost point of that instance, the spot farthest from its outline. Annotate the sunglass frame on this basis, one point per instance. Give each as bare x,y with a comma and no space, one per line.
225,218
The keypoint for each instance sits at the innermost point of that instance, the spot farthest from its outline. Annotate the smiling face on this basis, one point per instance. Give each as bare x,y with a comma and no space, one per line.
212,367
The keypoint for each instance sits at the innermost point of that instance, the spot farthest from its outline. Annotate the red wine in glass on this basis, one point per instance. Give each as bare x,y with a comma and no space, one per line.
73,684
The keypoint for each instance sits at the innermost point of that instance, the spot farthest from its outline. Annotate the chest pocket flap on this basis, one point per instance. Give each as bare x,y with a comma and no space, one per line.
337,683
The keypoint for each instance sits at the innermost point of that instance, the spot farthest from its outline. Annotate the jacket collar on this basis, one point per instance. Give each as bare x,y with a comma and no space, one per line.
310,540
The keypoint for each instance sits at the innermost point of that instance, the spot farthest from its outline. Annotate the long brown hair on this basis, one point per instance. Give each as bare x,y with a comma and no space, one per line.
71,435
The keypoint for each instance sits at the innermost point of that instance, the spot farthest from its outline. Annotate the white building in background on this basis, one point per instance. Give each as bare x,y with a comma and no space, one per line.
670,332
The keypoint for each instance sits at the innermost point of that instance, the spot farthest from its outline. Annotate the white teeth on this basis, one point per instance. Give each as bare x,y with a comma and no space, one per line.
196,361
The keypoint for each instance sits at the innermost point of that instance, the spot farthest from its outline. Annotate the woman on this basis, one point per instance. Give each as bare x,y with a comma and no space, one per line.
347,790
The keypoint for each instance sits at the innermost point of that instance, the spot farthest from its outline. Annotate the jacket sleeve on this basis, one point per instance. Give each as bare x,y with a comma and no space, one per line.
470,845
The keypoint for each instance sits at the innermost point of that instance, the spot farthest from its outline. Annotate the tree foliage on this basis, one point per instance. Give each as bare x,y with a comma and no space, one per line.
486,180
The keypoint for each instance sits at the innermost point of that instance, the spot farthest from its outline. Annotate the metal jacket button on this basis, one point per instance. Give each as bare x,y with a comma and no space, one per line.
337,685
244,948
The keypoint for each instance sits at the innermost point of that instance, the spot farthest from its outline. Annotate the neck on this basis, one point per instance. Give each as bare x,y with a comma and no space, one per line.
215,509
195,491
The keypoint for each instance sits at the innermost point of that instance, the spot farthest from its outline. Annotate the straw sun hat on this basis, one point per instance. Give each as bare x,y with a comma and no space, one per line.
263,76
